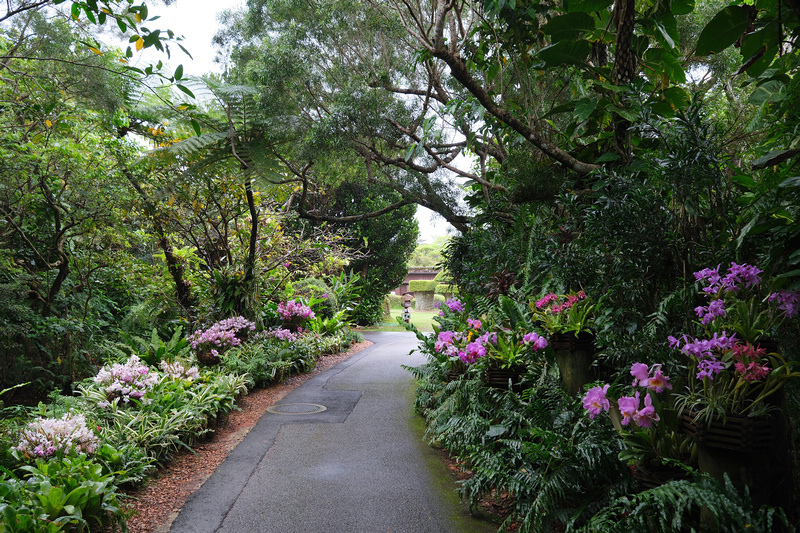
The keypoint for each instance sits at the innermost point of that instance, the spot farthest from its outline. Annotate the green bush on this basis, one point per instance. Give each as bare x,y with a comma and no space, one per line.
260,363
317,289
421,285
69,494
395,301
369,310
450,290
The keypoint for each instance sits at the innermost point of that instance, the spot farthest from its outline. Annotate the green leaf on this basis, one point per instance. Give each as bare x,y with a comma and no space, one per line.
90,15
195,127
745,181
185,51
184,89
682,7
178,72
794,181
589,6
606,157
584,108
76,11
759,49
676,97
791,273
565,53
152,38
569,26
723,30
664,61
767,92
122,26
667,27
496,431
775,157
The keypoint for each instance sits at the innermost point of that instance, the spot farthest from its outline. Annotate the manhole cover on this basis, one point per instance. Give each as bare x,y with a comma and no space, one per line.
296,408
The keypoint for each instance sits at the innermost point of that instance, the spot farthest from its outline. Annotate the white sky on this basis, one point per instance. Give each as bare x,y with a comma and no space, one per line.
196,21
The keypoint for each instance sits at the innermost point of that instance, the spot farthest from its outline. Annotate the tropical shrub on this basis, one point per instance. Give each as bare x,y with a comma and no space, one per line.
69,494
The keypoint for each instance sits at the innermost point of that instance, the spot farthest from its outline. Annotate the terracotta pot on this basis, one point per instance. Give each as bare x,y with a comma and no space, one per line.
574,358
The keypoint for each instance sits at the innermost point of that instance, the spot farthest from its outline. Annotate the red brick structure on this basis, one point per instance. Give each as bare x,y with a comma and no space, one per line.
425,273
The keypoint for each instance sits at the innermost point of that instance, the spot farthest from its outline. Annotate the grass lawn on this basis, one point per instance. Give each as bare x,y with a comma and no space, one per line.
423,320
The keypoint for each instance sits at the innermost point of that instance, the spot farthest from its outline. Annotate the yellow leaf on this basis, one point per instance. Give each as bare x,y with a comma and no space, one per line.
95,50
123,60
49,124
106,11
183,107
139,44
138,17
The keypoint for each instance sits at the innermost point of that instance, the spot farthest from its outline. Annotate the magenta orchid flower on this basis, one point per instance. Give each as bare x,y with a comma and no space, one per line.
647,415
641,374
596,401
628,407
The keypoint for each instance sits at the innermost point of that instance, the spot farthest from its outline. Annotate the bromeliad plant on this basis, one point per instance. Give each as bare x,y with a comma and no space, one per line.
565,313
732,367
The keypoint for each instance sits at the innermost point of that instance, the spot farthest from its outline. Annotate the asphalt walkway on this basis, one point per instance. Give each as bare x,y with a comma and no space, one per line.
358,466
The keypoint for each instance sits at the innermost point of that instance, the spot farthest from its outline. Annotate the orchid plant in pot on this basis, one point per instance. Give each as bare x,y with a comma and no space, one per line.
734,367
488,349
732,404
570,321
573,313
642,415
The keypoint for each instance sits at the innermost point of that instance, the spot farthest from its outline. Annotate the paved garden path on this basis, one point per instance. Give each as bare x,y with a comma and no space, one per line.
359,466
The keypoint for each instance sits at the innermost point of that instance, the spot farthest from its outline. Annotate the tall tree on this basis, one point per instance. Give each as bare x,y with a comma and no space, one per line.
410,87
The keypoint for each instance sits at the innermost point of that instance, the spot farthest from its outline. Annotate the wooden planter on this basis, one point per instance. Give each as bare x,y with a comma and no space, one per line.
293,325
456,370
499,378
574,358
737,433
755,453
651,476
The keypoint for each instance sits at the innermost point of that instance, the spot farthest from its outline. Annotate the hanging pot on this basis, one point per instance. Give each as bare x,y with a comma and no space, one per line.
651,476
574,358
499,378
736,432
753,452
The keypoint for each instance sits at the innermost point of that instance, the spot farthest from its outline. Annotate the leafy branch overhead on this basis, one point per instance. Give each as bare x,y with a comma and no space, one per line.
430,96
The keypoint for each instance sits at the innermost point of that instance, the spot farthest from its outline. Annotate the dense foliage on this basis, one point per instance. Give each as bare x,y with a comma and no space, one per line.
607,148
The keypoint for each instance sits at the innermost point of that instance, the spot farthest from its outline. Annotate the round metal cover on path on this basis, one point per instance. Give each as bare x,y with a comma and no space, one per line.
296,408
